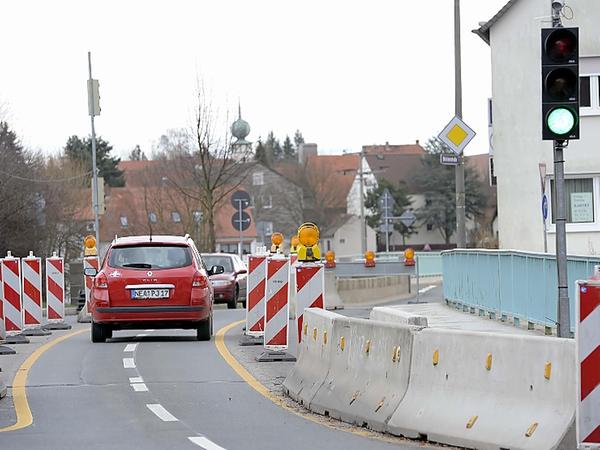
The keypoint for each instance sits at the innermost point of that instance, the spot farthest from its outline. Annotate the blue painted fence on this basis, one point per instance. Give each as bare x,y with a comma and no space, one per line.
518,284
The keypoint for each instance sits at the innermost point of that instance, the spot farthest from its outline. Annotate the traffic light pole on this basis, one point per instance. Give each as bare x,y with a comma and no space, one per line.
563,314
461,237
94,170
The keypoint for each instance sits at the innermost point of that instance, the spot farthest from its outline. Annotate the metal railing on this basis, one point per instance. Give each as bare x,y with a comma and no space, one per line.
513,283
392,263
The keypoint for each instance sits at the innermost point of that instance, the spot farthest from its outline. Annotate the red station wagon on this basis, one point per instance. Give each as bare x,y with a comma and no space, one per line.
152,282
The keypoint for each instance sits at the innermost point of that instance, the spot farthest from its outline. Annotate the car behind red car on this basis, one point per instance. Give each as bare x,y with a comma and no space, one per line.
152,282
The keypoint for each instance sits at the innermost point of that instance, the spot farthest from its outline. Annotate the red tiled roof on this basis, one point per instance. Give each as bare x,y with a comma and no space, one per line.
387,149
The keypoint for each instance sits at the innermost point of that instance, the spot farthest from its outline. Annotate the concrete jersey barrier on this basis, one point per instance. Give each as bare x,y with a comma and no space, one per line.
312,365
394,315
488,390
368,373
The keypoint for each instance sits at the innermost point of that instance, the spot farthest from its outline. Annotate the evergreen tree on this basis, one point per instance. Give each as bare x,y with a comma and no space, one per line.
80,150
289,152
437,182
273,146
260,154
401,202
298,139
137,154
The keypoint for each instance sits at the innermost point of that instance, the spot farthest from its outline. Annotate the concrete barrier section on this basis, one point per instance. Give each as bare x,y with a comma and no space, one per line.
369,372
395,315
367,290
312,364
331,298
488,390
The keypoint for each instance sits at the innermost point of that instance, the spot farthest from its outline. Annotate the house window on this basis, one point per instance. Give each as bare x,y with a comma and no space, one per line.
152,217
589,95
267,202
258,179
342,241
579,200
176,217
429,226
124,222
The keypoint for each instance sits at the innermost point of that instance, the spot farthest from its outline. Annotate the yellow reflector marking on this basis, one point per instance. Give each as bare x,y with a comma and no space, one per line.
488,362
325,337
547,370
457,135
472,421
531,429
342,343
436,357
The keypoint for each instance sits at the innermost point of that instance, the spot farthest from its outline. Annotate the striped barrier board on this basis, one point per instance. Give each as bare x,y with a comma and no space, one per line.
32,291
55,289
588,364
276,303
13,303
255,292
310,285
2,330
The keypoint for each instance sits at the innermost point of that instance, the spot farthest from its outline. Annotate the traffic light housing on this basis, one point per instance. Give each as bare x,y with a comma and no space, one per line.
560,83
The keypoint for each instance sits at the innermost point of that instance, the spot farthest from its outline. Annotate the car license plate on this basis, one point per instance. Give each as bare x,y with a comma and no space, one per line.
149,293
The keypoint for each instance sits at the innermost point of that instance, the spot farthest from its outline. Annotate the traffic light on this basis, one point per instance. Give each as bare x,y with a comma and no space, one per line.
560,83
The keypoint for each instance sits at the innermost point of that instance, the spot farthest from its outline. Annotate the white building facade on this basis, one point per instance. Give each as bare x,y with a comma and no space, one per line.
520,155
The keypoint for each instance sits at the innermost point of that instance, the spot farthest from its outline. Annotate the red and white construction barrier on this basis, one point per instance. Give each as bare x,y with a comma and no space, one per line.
255,292
31,267
55,293
588,364
276,303
13,305
88,262
310,285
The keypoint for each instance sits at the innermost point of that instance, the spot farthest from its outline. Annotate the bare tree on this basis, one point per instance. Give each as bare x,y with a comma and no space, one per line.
215,167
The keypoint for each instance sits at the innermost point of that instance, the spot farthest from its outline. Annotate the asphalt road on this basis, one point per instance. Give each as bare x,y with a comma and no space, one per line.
158,390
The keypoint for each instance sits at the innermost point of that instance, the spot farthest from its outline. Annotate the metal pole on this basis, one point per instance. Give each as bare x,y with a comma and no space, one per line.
418,280
460,168
94,169
241,227
563,313
387,234
363,227
564,323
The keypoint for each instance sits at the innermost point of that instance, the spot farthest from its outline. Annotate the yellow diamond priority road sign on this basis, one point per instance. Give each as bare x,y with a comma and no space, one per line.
456,135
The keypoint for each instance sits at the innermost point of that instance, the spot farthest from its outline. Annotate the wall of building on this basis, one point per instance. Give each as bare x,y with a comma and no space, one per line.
346,240
517,142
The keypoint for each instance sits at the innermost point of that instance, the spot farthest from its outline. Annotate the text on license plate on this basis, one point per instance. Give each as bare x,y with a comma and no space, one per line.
149,293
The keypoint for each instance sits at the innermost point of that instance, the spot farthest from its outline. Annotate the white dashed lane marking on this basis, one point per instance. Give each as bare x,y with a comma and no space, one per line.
139,387
136,380
130,348
205,443
128,363
161,412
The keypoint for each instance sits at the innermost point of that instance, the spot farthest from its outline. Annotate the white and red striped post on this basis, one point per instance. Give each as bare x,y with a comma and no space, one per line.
587,337
31,268
255,293
293,261
13,301
88,262
276,303
55,293
310,285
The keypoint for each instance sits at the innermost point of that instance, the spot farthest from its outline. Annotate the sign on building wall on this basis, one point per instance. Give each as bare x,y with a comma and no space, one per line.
582,207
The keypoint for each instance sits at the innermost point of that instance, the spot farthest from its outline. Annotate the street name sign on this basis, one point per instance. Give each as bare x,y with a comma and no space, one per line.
456,135
449,160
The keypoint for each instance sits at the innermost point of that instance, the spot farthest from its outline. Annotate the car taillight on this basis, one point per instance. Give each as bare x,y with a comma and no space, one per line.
199,281
101,282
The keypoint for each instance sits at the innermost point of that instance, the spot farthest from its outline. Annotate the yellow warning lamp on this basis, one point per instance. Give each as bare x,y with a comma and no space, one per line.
409,257
294,242
369,258
330,259
89,243
276,240
308,249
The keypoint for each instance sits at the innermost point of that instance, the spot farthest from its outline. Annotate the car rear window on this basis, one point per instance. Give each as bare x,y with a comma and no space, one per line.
150,257
224,261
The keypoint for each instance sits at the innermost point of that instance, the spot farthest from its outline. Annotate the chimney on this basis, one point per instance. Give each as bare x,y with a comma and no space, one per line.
306,150
417,142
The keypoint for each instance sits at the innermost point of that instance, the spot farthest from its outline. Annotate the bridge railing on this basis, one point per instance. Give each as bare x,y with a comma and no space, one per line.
513,283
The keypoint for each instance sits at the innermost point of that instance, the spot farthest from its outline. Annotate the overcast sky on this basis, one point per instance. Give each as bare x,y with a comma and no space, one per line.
346,73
